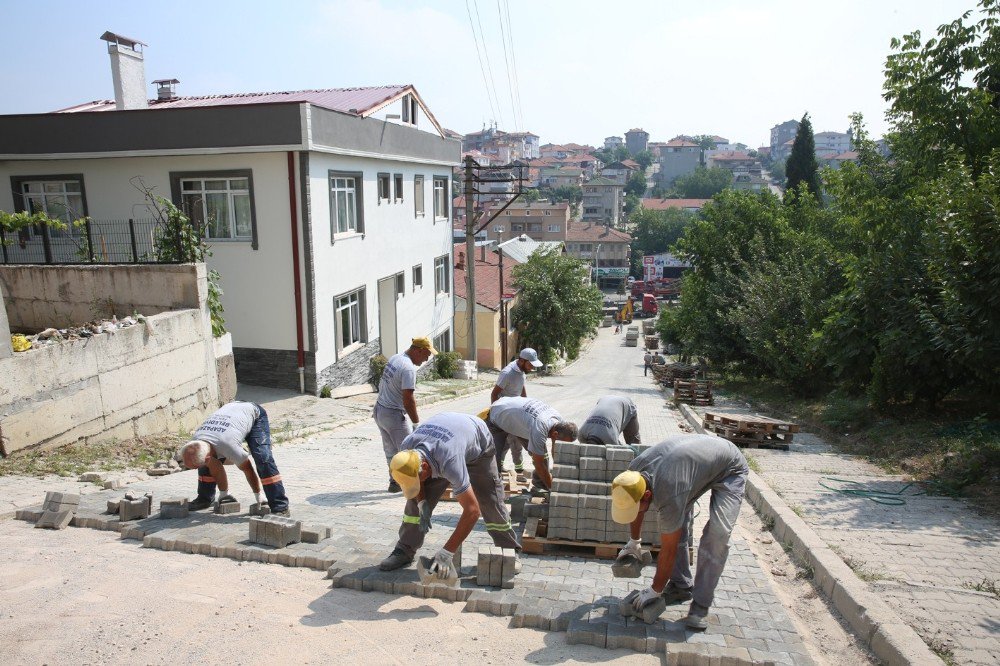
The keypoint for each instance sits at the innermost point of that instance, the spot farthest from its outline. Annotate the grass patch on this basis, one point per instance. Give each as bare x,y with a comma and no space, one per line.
796,509
863,571
946,654
767,523
75,459
752,463
987,585
805,572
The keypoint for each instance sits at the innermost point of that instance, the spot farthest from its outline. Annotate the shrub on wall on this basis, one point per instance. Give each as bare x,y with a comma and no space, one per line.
377,365
446,363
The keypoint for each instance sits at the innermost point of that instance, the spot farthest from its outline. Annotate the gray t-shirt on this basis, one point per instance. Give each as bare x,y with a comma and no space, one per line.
448,442
606,422
682,468
526,418
511,381
227,429
400,374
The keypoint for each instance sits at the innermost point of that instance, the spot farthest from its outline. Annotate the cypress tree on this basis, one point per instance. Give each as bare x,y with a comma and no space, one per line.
801,166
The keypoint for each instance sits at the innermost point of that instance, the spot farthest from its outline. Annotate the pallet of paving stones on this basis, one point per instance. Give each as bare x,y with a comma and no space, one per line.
511,486
693,391
536,542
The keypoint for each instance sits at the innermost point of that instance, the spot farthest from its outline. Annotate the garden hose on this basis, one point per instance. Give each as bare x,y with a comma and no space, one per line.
855,489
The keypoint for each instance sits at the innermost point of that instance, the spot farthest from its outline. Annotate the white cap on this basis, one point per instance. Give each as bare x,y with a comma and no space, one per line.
530,355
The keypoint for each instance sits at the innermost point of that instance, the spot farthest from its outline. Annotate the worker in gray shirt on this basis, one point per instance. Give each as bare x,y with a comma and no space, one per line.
456,449
613,416
533,422
510,384
671,476
396,398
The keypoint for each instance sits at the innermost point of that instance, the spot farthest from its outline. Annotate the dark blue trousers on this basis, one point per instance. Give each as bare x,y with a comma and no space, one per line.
259,442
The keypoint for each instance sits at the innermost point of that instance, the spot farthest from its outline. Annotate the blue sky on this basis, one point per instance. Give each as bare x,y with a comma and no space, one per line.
585,69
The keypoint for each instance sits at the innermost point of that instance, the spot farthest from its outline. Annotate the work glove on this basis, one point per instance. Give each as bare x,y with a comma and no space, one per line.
425,516
442,564
633,548
224,496
644,598
257,498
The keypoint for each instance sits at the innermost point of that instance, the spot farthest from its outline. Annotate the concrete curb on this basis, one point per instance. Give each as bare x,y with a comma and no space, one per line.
893,641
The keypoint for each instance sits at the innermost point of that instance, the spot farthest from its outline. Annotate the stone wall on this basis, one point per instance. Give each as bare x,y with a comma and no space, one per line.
278,368
353,369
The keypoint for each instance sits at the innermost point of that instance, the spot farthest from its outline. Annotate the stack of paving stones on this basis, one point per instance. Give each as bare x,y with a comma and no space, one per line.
495,567
275,531
58,510
580,501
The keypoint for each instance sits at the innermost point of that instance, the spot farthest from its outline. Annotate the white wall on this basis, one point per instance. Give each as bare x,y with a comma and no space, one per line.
394,240
258,298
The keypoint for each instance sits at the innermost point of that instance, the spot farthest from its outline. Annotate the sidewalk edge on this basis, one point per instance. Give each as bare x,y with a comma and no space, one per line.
893,641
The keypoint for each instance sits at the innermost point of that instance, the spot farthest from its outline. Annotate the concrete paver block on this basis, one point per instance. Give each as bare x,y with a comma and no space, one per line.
55,501
261,509
113,506
55,520
508,558
176,507
313,534
226,508
619,453
133,509
276,531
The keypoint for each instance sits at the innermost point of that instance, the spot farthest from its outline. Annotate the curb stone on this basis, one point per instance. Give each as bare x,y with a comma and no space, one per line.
893,641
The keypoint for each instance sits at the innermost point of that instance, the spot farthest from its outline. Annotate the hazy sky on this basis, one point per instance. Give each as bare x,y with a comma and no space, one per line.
585,69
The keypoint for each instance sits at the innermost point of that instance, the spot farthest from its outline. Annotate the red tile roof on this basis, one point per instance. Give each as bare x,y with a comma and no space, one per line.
664,204
597,233
487,276
680,143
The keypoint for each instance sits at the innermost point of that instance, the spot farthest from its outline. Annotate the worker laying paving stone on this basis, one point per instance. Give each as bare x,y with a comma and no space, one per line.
457,449
532,421
613,416
219,442
672,475
510,384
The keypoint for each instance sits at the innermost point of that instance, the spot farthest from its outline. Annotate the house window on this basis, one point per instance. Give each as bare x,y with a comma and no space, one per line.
400,285
221,206
418,196
346,215
383,187
440,198
517,227
442,342
409,110
553,228
548,212
507,213
397,181
350,319
441,275
586,247
59,197
498,228
534,226
418,276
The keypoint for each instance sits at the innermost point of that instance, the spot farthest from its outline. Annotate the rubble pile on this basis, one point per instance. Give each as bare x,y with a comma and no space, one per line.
52,336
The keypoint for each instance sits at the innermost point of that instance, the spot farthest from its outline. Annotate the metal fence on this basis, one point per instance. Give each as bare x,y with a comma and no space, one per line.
94,242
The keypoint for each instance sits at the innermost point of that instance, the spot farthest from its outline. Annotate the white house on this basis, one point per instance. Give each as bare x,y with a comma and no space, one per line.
327,211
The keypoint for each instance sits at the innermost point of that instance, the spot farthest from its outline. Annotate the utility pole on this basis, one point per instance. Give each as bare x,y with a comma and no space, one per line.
470,261
503,311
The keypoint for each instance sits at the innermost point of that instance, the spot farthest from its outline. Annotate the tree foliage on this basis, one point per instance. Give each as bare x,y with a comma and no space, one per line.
703,183
801,166
611,155
656,231
636,184
557,306
645,159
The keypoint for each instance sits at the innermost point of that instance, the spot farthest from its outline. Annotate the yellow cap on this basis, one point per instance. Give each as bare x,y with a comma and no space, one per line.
423,343
485,414
405,469
626,492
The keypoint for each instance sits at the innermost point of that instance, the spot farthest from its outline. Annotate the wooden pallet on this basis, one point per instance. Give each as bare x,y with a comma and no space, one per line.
693,391
748,438
535,542
511,486
744,423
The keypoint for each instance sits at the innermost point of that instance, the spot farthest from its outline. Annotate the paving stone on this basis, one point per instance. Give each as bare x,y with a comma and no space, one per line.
276,531
592,463
176,507
134,509
593,474
259,509
56,501
619,454
314,534
507,573
226,508
591,451
565,485
565,472
55,520
113,506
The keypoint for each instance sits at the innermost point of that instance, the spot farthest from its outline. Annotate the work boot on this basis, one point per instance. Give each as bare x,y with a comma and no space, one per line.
396,560
697,617
284,512
393,486
674,594
200,504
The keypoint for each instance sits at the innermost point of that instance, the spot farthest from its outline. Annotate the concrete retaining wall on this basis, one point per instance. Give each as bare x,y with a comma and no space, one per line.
38,297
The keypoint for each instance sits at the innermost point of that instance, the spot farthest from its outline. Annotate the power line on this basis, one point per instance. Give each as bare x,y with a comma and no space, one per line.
513,57
482,69
489,66
506,62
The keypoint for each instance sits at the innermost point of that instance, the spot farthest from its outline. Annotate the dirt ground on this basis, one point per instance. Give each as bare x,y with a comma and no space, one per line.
84,597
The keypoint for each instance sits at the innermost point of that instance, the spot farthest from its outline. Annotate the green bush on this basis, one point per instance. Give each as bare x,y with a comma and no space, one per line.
326,391
446,363
377,366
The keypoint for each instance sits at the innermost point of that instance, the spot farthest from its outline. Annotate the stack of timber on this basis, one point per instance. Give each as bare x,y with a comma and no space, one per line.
666,374
756,432
693,391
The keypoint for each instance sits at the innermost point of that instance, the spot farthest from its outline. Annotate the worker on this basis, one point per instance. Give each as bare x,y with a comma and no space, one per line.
658,360
510,384
219,441
533,422
395,398
647,361
671,476
613,416
456,449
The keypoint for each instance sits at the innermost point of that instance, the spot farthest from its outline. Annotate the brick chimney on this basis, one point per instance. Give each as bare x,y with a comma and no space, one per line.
128,71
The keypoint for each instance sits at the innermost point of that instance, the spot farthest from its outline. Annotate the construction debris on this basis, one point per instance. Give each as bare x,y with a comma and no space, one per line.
51,336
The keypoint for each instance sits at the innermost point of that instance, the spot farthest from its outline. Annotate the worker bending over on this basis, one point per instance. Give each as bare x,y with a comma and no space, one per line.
613,416
533,422
219,441
448,448
671,476
395,398
510,384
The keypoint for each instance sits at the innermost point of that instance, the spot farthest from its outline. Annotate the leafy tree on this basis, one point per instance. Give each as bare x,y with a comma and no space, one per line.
636,184
777,170
703,183
801,166
660,192
632,204
557,307
570,193
644,158
530,194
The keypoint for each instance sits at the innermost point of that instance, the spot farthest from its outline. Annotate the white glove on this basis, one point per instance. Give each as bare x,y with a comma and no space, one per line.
633,548
443,562
644,598
257,498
